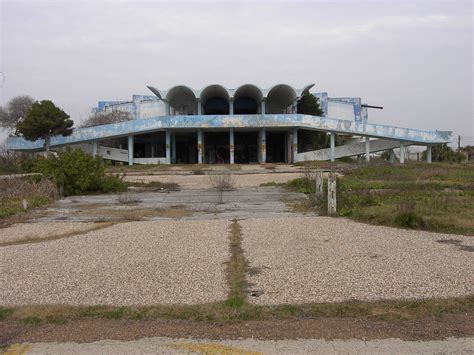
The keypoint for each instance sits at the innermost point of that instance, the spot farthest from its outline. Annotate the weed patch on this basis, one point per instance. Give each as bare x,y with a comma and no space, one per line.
236,268
436,197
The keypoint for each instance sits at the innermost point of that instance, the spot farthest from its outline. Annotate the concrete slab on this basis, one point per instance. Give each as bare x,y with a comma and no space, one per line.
137,263
322,259
262,202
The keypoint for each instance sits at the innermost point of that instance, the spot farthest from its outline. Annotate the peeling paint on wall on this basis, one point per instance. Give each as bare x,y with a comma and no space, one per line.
287,121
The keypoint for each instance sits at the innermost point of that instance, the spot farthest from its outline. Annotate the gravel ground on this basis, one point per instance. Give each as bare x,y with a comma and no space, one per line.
21,231
322,259
137,263
202,181
251,346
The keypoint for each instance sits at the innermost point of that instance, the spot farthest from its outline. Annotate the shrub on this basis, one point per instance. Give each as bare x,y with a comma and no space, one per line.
409,220
407,217
76,172
11,162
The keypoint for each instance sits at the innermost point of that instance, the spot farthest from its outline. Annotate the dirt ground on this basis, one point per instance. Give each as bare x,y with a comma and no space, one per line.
196,205
324,328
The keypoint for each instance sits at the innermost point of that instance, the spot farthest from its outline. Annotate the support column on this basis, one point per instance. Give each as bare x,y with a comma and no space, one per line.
428,154
263,146
231,107
295,144
332,198
200,146
402,153
263,108
231,146
173,148
392,157
167,108
94,148
130,150
168,147
199,107
367,149
333,146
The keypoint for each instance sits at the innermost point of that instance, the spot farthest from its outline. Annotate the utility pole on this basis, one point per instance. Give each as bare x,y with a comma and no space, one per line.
459,144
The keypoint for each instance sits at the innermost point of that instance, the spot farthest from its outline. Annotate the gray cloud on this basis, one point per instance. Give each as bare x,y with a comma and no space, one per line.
414,58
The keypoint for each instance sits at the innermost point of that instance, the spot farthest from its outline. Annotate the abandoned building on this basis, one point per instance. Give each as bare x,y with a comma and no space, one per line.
243,125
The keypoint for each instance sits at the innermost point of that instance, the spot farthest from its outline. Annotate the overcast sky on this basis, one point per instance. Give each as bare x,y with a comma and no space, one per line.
415,58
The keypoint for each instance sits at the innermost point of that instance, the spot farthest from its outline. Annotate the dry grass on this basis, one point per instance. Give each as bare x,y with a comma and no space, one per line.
23,188
127,198
32,239
18,194
223,312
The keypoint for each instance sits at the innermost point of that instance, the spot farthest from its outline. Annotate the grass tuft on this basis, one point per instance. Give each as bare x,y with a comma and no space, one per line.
236,268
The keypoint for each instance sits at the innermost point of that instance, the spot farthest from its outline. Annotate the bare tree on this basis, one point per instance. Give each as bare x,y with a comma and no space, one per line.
100,118
15,110
222,182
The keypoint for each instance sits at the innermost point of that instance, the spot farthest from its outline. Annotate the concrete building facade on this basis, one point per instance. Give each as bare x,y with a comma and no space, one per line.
247,124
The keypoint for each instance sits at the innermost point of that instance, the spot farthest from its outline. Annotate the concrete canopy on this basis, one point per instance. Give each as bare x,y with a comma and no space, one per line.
280,97
247,99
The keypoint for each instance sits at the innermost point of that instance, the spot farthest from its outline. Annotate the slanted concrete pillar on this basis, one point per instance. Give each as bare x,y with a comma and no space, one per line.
200,146
333,146
428,154
263,107
263,146
130,150
199,107
402,153
231,107
168,147
295,144
94,148
367,149
231,145
173,148
331,193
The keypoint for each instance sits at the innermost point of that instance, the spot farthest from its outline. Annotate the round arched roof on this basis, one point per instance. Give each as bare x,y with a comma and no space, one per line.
249,90
179,90
279,97
281,94
214,90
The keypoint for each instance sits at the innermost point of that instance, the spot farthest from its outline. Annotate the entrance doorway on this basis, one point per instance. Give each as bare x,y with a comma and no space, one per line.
186,148
245,147
276,147
216,147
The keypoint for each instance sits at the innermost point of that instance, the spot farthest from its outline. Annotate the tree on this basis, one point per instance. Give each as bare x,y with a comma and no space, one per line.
45,120
15,110
442,152
100,118
308,104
